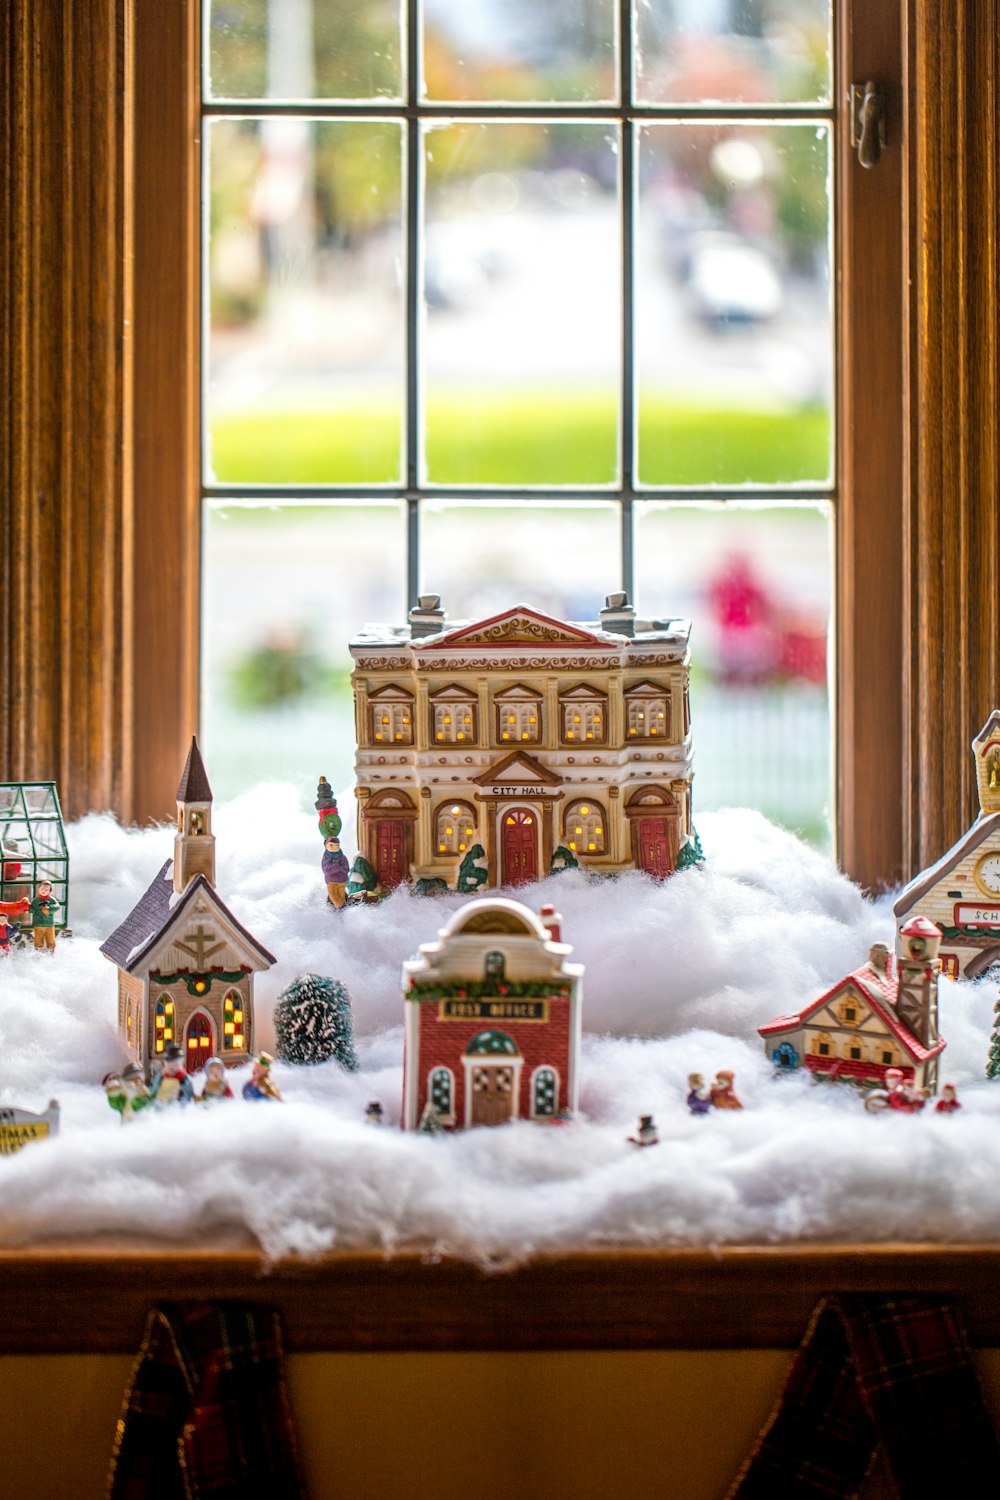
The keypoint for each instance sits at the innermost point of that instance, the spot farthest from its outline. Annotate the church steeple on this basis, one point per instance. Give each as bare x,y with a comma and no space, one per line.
194,841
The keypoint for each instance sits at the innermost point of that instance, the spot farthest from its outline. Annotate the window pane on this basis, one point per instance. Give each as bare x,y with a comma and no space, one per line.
522,287
285,589
733,51
304,49
734,325
756,583
305,359
520,50
483,558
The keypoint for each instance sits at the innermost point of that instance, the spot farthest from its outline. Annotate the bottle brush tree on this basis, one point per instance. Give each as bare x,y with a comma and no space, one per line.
313,1022
993,1056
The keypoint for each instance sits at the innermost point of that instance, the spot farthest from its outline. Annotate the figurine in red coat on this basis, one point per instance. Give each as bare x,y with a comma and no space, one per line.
948,1102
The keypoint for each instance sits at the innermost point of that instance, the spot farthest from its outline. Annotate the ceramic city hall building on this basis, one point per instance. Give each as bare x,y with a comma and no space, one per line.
492,1019
524,735
185,964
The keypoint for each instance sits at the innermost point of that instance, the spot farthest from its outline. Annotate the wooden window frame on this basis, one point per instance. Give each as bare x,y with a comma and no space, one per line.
99,582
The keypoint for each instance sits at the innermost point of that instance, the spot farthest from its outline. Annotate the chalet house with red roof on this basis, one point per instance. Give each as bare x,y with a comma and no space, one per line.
492,1019
516,741
185,964
882,1016
961,892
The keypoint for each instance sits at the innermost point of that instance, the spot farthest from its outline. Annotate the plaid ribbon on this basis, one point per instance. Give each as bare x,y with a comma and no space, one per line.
205,1410
874,1371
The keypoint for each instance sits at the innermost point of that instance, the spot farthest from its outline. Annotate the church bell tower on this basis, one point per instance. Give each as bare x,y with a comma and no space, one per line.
194,841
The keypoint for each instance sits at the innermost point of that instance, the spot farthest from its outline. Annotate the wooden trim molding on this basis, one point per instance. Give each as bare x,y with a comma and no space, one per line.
98,437
75,1299
64,706
952,552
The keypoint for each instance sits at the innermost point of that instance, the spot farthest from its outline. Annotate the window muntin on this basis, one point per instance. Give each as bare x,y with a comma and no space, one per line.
647,713
584,717
233,1025
453,717
518,717
390,715
163,1023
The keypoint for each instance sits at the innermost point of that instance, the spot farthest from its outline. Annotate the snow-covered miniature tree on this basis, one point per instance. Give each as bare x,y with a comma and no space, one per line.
363,877
473,871
563,859
326,805
993,1057
313,1022
691,855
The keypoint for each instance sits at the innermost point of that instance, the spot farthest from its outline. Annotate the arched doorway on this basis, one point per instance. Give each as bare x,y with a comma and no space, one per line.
519,846
387,823
198,1042
655,819
492,1078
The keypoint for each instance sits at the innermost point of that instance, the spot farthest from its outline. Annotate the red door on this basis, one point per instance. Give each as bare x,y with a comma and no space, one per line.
197,1043
654,855
520,845
389,839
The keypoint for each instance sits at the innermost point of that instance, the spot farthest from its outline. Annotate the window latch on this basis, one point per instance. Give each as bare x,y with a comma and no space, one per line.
867,121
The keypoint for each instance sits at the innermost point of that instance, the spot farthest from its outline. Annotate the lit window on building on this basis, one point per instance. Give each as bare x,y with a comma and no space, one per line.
163,1023
583,829
233,1029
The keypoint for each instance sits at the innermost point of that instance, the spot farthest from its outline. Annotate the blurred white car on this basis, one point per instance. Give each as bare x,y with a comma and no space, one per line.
732,281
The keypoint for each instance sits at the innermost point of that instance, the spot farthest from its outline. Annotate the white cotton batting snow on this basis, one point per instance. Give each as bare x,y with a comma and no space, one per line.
678,977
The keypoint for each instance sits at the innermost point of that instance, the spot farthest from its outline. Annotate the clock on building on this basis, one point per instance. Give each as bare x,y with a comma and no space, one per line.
988,874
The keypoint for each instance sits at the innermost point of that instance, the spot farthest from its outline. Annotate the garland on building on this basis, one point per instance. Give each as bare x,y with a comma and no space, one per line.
488,989
988,934
201,984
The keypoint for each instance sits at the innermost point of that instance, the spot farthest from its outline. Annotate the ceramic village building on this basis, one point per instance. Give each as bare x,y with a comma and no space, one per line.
961,892
185,964
492,1019
882,1016
524,735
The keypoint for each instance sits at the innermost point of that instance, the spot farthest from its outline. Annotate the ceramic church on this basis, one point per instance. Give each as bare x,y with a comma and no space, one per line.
882,1016
185,964
492,1020
961,892
491,752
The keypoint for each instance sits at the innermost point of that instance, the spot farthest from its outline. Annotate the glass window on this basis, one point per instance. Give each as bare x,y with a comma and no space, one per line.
453,717
454,828
584,716
517,317
583,827
233,1028
441,1090
163,1026
544,1092
519,716
647,713
391,715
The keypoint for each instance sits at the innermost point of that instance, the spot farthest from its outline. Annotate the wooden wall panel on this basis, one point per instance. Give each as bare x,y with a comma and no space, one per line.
952,612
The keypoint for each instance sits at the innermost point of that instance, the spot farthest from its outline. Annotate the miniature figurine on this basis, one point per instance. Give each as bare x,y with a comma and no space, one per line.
960,891
43,916
8,932
646,1134
880,1019
699,1100
899,1093
430,1121
18,1127
479,736
172,1085
185,964
260,1084
722,1093
127,1092
216,1086
336,872
949,1100
492,1019
374,1114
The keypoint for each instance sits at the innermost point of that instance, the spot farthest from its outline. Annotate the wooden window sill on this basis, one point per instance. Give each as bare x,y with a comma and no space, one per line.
93,1298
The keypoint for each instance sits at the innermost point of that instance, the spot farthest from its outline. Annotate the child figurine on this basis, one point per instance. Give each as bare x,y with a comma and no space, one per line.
373,1114
261,1085
646,1134
127,1092
172,1085
7,930
948,1102
902,1095
336,871
43,916
699,1100
216,1084
722,1094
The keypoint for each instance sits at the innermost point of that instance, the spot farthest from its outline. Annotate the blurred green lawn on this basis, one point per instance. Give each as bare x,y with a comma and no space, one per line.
525,439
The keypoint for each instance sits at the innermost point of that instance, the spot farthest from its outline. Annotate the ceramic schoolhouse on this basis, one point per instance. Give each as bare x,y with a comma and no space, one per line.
882,1016
185,964
522,743
492,1019
961,892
